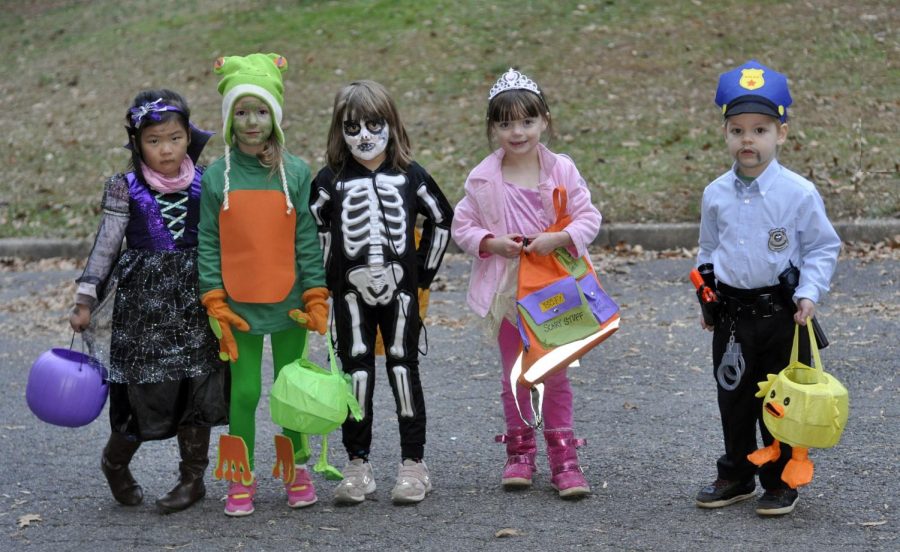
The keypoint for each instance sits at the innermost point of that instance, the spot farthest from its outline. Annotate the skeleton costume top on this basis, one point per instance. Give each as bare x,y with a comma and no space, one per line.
366,228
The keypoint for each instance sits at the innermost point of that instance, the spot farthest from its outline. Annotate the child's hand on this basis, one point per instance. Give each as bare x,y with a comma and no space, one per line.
221,318
508,246
80,318
548,242
315,317
704,325
805,309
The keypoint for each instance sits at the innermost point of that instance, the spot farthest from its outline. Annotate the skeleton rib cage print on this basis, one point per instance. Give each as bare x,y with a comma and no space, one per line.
372,213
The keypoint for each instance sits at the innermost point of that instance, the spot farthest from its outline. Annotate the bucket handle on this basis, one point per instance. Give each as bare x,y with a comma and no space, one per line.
71,347
338,373
96,364
814,349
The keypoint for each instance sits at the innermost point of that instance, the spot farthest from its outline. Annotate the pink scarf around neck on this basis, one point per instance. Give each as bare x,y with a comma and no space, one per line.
169,184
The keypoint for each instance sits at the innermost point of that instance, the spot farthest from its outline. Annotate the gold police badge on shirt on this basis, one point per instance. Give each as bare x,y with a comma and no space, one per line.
778,239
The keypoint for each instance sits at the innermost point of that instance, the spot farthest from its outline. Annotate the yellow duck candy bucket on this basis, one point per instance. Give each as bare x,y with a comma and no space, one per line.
804,406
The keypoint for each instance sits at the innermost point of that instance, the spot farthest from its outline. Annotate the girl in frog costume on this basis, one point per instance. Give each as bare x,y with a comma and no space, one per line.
261,266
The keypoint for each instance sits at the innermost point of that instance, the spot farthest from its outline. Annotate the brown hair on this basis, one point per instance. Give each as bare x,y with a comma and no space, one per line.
365,99
515,104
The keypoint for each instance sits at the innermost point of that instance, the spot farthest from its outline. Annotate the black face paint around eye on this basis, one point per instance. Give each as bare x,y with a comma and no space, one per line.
375,126
351,128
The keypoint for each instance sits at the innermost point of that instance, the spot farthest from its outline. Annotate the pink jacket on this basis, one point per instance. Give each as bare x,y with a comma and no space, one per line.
480,214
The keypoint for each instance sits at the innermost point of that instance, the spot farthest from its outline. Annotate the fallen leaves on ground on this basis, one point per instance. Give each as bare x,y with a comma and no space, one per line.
27,519
15,264
864,251
43,311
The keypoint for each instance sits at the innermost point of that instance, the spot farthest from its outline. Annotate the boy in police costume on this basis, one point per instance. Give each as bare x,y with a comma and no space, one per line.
757,220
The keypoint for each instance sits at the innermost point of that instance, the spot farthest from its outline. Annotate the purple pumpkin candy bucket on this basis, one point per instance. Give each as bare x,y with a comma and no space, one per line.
66,388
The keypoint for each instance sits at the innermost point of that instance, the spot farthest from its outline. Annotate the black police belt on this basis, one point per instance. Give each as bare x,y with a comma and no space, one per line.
751,303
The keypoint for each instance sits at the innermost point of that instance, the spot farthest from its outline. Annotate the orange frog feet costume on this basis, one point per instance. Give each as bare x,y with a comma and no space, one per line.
261,270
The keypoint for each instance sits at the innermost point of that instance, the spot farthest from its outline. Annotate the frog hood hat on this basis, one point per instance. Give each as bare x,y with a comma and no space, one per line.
257,75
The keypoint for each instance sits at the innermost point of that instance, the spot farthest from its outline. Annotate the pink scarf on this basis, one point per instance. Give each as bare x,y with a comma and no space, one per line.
168,184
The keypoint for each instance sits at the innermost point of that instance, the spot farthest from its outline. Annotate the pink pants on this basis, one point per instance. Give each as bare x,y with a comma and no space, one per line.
557,391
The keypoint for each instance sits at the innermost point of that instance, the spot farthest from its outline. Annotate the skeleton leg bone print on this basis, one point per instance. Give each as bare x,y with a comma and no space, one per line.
398,348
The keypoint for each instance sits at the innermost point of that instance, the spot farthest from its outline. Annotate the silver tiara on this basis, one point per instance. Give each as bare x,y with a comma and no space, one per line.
513,80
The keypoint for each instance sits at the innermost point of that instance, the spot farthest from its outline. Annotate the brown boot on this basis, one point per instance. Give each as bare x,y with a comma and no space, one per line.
114,464
193,442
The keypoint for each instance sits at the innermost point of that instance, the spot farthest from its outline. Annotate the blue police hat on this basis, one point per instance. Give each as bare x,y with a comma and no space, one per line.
753,88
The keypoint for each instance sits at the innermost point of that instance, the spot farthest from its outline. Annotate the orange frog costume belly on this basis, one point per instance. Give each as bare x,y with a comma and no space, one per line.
257,232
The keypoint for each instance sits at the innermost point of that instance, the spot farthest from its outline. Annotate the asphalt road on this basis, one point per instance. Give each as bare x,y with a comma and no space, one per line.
644,400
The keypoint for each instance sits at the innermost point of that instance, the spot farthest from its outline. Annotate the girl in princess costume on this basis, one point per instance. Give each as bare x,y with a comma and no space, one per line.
165,377
365,203
260,267
507,205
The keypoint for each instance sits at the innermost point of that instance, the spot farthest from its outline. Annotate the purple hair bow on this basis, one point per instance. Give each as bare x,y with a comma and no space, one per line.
151,110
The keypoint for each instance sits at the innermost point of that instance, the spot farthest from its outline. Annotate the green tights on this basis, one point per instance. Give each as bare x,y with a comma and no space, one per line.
246,381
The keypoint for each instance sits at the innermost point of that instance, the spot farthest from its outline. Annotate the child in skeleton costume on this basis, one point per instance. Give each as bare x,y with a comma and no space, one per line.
507,205
165,377
260,264
365,203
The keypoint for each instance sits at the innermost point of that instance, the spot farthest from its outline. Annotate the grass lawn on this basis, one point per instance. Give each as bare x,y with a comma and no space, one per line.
630,85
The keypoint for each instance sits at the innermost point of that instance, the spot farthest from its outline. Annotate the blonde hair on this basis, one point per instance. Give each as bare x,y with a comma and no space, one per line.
366,99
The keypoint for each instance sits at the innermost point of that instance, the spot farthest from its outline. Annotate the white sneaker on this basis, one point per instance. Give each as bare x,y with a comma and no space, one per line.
359,480
413,483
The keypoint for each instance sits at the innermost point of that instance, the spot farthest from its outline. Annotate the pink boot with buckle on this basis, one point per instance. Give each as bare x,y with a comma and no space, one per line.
567,477
520,452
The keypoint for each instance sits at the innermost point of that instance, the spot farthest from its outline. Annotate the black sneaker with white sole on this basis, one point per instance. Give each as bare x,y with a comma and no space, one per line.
777,502
723,492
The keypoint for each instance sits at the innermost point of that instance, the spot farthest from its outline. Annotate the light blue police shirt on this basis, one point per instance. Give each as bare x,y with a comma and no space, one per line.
751,232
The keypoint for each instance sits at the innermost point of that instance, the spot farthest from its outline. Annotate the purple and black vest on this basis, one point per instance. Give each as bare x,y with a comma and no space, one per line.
147,225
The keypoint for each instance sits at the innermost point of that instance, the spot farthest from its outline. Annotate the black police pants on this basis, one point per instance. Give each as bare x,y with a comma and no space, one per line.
766,346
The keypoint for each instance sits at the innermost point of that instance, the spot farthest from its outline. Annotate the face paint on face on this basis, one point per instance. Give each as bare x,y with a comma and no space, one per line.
367,140
251,123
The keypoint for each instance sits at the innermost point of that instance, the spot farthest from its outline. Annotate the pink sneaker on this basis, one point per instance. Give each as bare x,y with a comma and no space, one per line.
301,492
240,500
